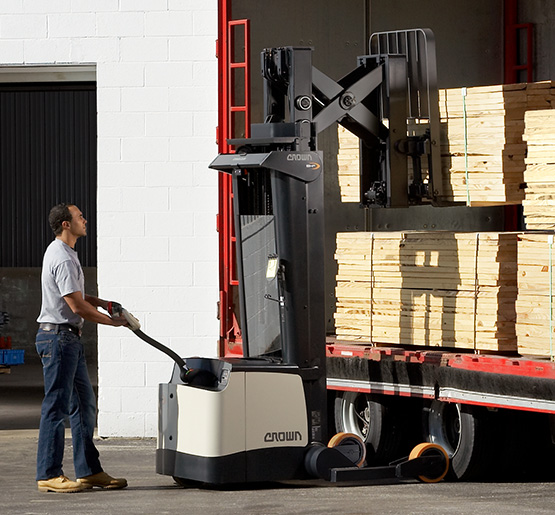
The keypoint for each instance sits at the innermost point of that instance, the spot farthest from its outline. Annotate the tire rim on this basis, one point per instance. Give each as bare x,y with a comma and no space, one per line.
444,425
355,414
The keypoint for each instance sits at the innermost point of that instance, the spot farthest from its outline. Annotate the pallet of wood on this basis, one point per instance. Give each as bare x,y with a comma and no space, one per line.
539,175
483,150
482,147
535,308
433,289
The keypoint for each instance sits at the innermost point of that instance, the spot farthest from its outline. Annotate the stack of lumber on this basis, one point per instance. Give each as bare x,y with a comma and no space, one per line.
482,147
539,175
536,287
427,289
348,167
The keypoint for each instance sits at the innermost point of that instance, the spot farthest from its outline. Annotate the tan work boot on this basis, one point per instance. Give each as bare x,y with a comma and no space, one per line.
60,484
102,480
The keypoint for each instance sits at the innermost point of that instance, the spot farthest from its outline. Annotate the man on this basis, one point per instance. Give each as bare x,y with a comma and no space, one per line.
67,387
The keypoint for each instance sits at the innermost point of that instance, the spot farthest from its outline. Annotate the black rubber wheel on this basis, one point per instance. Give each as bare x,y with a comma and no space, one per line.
463,432
378,422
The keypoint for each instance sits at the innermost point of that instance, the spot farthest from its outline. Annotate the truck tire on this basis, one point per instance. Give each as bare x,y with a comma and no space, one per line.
375,421
461,430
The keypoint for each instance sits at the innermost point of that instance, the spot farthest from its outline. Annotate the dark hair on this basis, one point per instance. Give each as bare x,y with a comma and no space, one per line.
59,214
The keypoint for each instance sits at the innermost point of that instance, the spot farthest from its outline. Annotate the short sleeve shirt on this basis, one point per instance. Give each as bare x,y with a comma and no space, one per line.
61,275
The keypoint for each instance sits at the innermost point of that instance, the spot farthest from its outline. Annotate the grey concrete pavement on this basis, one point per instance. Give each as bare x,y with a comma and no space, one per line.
151,493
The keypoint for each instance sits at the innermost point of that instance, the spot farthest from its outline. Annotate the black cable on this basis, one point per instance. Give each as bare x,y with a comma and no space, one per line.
151,341
188,375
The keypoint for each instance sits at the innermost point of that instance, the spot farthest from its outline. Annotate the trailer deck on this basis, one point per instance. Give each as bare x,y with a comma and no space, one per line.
521,383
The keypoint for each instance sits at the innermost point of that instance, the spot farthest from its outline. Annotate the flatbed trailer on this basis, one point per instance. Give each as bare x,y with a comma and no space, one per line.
485,410
477,406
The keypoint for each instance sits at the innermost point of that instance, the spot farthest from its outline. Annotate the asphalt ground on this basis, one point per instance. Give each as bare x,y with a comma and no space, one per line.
151,493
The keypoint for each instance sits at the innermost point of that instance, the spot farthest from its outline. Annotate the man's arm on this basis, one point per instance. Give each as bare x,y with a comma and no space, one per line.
87,310
96,302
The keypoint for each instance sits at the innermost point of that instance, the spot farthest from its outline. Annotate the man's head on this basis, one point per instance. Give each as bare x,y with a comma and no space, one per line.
58,215
67,216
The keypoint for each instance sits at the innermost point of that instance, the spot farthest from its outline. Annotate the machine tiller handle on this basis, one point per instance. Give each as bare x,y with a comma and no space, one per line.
188,375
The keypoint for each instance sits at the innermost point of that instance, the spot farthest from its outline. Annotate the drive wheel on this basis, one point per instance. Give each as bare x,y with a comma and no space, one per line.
372,420
347,439
460,430
431,449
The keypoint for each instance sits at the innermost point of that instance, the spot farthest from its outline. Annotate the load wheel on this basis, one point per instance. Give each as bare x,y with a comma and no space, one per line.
348,439
462,431
431,449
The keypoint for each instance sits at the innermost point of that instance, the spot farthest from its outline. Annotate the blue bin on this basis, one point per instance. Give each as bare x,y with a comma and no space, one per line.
11,356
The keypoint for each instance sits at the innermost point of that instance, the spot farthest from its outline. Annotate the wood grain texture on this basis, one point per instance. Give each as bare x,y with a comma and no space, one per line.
438,289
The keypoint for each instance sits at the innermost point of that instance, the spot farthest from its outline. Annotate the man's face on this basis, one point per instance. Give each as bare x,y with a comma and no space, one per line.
78,224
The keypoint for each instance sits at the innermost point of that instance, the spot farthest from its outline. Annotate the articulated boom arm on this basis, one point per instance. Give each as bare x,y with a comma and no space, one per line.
389,101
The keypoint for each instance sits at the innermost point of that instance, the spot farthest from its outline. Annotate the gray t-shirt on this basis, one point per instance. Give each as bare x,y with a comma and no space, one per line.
61,275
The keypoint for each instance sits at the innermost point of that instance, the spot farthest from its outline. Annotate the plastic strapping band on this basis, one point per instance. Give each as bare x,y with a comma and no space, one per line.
371,287
463,91
476,287
550,241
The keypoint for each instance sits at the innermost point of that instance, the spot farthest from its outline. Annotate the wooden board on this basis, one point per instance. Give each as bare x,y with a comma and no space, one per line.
539,175
535,305
348,165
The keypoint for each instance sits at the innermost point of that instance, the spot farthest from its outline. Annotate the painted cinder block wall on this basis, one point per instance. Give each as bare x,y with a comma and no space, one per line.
156,79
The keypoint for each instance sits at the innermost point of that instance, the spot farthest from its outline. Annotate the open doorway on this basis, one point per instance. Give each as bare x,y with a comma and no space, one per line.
48,154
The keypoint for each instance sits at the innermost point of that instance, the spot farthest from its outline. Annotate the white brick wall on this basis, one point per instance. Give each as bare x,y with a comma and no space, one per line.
157,200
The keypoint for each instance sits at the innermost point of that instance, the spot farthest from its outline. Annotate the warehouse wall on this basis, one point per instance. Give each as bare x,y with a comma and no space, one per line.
542,14
157,201
468,33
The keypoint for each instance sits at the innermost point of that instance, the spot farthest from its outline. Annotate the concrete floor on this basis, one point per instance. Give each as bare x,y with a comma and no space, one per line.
20,396
151,493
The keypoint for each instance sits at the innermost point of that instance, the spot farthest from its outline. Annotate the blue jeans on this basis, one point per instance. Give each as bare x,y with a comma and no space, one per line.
67,393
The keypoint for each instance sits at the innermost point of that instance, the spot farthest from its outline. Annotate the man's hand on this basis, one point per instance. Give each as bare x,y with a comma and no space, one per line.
119,321
116,309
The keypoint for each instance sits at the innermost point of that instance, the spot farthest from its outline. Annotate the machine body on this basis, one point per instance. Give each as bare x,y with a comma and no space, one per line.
264,417
252,426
